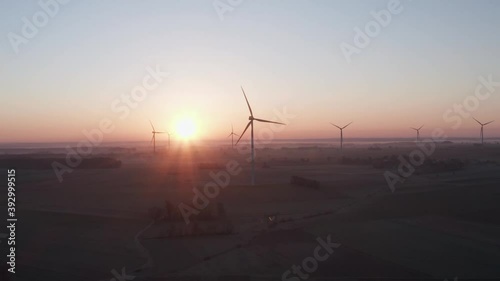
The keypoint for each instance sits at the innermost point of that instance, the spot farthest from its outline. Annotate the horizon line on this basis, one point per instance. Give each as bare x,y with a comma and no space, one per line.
277,139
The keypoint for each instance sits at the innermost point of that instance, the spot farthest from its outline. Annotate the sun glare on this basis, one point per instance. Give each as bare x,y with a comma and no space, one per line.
186,128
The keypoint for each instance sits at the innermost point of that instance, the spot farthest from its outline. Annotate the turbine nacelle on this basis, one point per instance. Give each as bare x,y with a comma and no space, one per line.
482,124
341,128
417,129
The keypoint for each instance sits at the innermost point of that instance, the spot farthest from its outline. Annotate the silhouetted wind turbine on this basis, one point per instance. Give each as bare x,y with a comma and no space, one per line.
153,139
250,123
482,125
418,132
232,134
341,133
168,140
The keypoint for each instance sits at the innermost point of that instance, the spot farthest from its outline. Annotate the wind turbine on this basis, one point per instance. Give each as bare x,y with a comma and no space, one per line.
482,125
250,123
168,140
153,139
232,134
418,132
341,133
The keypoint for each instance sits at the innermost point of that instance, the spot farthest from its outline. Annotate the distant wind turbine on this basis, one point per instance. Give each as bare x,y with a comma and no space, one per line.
153,139
482,129
250,123
232,134
168,140
418,132
341,133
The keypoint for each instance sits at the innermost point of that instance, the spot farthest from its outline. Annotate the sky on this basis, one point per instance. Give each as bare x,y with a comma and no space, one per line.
287,55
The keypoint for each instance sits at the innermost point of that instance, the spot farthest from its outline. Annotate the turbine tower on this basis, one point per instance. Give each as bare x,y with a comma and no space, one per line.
341,133
232,134
153,139
482,129
168,140
418,132
250,123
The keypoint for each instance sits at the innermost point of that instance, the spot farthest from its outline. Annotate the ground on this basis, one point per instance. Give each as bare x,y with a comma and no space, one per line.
435,225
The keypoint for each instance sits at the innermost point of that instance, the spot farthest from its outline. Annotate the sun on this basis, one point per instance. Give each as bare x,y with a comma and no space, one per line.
186,128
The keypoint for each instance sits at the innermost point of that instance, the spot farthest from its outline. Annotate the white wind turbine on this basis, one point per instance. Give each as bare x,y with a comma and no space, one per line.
250,124
153,139
341,133
232,134
482,129
418,132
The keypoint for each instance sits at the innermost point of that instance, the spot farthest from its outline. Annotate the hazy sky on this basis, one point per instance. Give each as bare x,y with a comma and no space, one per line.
285,54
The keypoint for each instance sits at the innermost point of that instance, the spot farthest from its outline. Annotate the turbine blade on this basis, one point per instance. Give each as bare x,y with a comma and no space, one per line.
488,123
152,139
336,126
421,127
346,125
230,135
477,121
414,128
152,125
267,121
246,128
249,108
